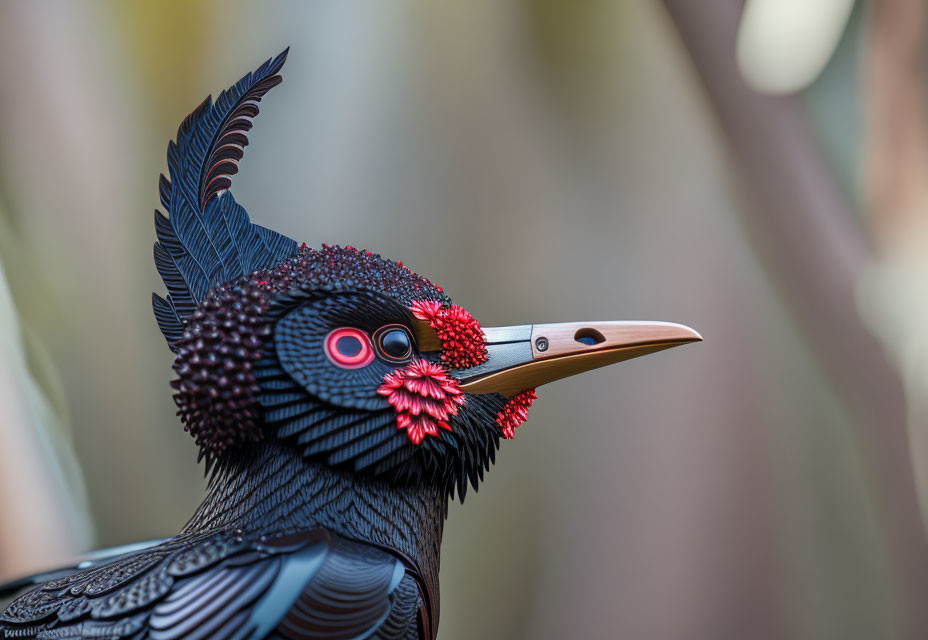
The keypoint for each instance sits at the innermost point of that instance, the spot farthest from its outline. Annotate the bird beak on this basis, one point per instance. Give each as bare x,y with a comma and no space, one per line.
527,356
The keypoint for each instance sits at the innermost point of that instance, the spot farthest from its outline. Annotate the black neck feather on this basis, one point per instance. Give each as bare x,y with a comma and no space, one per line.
273,488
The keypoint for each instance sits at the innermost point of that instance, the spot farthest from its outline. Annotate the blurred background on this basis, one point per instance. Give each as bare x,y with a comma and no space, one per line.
756,170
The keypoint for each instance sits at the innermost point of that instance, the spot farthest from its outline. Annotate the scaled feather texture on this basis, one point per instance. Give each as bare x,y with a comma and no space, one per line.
207,238
329,483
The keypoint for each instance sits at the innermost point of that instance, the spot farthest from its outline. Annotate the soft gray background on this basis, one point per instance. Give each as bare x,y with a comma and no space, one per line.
542,161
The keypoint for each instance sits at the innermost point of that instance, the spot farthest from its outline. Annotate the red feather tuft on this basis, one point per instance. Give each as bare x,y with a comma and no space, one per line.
424,398
515,412
463,344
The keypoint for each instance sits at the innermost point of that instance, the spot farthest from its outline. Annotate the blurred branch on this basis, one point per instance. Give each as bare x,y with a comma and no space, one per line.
808,235
896,155
893,296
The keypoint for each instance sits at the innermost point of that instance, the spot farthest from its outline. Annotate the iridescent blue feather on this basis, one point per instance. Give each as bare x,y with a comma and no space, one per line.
207,238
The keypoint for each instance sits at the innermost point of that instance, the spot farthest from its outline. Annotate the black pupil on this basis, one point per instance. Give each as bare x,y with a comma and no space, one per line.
348,346
395,343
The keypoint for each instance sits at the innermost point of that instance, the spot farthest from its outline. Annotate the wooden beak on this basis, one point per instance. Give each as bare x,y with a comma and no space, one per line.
527,356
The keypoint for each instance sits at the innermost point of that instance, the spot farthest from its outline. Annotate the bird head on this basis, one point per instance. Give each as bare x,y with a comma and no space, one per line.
349,357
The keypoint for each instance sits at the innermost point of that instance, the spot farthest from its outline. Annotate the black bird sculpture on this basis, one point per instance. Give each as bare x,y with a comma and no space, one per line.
339,402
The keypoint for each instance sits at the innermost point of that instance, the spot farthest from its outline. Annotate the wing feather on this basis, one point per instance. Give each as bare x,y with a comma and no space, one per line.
224,586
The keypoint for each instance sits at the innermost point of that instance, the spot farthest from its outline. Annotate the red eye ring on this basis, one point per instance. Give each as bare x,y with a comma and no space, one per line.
343,357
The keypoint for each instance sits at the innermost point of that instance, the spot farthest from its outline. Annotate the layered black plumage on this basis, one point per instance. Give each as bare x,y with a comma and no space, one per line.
227,584
208,238
323,516
339,401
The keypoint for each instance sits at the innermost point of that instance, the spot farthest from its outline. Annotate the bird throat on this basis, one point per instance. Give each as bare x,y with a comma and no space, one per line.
272,488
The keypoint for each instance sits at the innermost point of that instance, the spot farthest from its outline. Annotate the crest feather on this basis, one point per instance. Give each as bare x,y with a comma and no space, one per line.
207,238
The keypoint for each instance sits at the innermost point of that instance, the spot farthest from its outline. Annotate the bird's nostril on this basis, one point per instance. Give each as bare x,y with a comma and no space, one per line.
589,336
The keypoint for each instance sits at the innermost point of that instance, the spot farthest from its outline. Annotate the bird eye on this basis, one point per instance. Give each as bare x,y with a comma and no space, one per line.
349,348
393,343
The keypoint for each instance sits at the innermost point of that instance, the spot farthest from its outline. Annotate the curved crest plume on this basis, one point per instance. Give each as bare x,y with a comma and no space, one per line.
207,238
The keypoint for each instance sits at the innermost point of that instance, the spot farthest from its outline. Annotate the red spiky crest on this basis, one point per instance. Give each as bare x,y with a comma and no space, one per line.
424,398
463,344
515,412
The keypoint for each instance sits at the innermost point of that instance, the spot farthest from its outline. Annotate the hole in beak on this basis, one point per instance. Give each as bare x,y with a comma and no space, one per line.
589,336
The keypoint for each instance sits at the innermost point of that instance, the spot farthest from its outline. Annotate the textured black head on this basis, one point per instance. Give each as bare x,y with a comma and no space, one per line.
352,359
338,352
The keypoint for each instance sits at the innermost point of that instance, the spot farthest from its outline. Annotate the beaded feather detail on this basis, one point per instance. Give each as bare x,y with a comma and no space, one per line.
463,344
515,412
